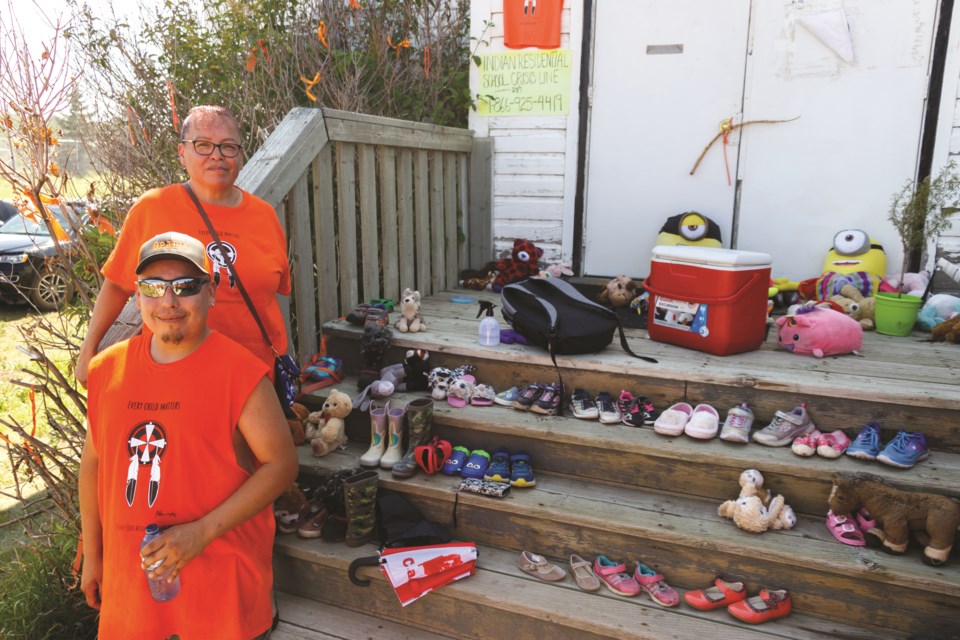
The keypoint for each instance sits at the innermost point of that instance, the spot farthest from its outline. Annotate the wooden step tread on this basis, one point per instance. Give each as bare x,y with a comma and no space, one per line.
306,619
669,520
940,473
500,586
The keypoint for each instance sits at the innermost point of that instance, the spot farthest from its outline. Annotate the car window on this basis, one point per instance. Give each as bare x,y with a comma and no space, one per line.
21,225
8,210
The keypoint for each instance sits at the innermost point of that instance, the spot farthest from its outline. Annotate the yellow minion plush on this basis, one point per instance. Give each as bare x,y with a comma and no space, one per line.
855,256
691,229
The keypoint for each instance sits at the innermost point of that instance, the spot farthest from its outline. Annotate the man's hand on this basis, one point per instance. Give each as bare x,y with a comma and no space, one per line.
174,548
91,579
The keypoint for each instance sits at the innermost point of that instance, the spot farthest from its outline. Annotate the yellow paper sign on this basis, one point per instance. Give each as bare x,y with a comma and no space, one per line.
525,83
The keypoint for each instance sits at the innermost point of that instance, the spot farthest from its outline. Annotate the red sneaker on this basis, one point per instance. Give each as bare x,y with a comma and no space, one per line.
763,607
721,594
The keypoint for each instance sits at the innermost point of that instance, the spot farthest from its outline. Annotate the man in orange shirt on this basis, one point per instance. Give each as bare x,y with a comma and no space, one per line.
185,431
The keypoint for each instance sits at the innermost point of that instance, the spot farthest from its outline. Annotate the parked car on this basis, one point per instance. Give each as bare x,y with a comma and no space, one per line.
7,211
29,264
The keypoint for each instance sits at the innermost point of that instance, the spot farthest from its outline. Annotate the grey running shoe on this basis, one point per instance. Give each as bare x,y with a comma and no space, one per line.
582,405
785,427
736,428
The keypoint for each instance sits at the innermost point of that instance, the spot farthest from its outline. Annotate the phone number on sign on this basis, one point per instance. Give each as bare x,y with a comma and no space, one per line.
526,104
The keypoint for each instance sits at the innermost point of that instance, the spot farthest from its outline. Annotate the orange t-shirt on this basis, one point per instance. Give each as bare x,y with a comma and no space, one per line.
255,242
164,437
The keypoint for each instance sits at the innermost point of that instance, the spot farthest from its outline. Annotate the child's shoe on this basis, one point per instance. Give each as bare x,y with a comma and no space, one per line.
866,445
607,408
508,397
582,405
548,402
615,577
454,464
905,450
625,404
832,445
656,586
476,465
806,445
528,396
767,605
785,427
736,428
521,473
720,594
499,469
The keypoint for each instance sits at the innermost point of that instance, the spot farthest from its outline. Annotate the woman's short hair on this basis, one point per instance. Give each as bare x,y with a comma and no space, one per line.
206,113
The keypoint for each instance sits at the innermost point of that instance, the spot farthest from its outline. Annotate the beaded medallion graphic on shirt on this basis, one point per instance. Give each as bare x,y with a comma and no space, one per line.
220,261
146,445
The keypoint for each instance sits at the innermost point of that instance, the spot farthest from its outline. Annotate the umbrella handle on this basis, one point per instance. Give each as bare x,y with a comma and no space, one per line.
368,561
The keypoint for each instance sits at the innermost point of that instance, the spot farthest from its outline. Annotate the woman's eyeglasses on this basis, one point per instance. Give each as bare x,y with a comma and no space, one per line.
205,148
182,287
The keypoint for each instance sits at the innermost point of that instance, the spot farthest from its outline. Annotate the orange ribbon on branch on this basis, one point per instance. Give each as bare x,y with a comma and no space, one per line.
322,34
261,46
309,84
354,5
726,128
426,61
403,44
171,94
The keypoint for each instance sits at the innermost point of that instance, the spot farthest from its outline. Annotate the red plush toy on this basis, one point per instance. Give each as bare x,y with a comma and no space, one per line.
523,263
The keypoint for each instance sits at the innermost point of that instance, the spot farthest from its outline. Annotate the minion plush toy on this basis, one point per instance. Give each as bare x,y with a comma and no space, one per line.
691,229
855,258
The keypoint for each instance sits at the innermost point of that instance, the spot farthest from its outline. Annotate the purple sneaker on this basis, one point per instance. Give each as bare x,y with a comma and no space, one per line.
905,450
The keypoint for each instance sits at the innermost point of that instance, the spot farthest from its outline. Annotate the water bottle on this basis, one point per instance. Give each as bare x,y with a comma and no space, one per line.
160,589
489,333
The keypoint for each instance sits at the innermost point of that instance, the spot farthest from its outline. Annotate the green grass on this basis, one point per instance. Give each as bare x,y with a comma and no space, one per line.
77,187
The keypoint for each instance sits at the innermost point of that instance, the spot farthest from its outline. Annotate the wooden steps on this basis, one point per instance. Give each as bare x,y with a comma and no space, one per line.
685,539
501,600
633,494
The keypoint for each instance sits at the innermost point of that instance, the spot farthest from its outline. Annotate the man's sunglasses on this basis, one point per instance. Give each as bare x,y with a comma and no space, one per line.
182,287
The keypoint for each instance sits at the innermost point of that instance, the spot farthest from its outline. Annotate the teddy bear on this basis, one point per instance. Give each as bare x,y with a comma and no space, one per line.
751,484
289,504
296,424
325,428
410,320
860,308
750,515
522,263
618,292
947,331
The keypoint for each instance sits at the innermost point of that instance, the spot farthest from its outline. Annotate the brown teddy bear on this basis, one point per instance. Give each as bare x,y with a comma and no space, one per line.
325,428
947,331
750,515
858,307
618,292
297,425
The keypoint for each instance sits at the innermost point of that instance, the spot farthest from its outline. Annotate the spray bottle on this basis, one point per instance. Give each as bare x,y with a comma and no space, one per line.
489,333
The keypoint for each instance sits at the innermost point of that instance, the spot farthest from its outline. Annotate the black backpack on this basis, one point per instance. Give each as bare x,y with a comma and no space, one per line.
551,313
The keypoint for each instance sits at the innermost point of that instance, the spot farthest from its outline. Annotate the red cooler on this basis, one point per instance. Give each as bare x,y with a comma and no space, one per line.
712,300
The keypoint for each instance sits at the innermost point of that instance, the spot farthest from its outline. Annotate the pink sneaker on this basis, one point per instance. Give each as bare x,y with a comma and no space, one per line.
656,586
806,445
615,577
832,445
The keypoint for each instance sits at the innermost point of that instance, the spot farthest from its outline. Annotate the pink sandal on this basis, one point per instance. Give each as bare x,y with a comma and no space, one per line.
806,445
832,445
844,530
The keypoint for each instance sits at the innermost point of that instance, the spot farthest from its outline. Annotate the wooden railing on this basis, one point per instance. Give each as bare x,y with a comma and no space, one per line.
371,206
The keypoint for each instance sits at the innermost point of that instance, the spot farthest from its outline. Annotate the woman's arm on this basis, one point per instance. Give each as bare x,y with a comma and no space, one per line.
109,303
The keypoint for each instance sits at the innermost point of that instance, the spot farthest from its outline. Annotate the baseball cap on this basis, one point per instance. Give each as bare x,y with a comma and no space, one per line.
174,246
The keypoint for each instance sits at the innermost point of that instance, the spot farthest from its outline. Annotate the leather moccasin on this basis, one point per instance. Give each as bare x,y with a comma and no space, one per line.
721,594
582,572
540,567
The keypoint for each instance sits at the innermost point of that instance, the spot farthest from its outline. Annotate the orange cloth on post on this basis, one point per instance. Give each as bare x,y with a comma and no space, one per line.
164,437
251,232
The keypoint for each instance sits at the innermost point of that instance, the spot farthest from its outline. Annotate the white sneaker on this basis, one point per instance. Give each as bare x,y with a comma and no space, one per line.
736,428
785,427
582,405
609,414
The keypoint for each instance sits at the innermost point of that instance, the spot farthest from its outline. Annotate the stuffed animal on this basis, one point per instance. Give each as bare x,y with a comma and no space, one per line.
296,425
522,263
440,378
557,270
618,292
478,280
750,515
410,319
861,309
325,428
410,375
374,343
751,484
938,308
855,258
934,517
820,332
289,504
914,284
947,331
690,228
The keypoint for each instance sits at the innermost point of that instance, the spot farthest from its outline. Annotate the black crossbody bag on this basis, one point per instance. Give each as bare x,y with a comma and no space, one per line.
286,373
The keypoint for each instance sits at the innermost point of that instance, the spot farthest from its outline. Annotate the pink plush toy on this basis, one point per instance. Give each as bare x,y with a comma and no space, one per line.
819,331
914,284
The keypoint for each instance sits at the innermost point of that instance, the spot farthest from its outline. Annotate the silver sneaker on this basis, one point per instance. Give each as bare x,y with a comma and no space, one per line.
785,427
736,428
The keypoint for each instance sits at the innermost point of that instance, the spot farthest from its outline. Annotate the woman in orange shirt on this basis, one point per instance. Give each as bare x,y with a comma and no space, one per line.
211,153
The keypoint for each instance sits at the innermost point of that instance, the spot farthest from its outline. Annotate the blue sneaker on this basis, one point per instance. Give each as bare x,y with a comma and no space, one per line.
521,475
866,446
476,465
905,450
499,469
454,464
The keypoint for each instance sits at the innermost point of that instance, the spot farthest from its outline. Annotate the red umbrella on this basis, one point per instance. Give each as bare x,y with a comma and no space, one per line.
416,571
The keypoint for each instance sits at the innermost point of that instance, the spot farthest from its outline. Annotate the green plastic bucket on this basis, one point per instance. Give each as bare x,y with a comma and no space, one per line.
896,314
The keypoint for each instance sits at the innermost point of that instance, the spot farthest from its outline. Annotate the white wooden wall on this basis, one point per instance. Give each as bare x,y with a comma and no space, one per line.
535,158
948,138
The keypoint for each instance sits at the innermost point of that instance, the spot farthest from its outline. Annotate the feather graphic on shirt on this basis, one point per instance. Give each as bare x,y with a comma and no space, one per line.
132,478
154,487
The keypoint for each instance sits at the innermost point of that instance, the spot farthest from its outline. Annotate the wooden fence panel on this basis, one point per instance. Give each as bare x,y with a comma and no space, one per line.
347,216
369,235
325,237
388,223
463,193
301,266
438,280
480,214
450,223
421,190
405,221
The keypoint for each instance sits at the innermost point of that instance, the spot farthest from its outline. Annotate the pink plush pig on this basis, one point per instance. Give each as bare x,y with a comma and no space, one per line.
820,331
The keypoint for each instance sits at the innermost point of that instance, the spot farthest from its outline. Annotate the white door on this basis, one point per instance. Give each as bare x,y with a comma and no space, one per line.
858,136
665,74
